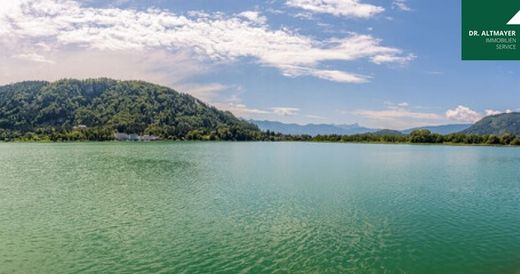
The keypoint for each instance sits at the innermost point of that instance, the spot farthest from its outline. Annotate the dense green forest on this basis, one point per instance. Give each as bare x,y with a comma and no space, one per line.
424,136
45,111
49,111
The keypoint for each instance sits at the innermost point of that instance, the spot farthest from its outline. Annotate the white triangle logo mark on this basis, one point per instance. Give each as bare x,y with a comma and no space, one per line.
515,20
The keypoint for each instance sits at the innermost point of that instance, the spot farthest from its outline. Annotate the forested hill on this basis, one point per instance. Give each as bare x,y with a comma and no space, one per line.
442,129
104,106
506,123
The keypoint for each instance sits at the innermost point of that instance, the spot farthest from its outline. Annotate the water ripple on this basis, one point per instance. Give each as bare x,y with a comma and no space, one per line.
258,208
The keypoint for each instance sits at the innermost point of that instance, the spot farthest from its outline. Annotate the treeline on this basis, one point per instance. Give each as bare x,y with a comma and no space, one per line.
423,136
56,135
236,134
108,134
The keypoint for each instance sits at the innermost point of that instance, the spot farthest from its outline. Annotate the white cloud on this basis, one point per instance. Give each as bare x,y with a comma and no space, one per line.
463,114
347,8
492,112
215,38
390,58
331,75
285,111
339,76
401,5
254,16
489,112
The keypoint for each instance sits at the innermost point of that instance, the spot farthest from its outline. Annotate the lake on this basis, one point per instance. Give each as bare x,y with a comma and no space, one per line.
258,207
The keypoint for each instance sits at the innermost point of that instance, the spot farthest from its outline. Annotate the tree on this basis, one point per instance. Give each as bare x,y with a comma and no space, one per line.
421,136
493,140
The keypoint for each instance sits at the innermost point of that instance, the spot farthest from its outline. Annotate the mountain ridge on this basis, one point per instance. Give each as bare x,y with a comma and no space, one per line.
440,129
347,129
505,123
311,129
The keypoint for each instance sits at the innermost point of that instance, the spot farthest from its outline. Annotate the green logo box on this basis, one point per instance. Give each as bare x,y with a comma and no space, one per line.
490,29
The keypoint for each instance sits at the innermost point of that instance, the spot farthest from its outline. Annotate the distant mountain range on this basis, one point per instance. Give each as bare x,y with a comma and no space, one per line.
497,125
327,129
311,129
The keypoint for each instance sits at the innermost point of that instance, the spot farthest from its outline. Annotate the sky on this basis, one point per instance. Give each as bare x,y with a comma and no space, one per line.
380,63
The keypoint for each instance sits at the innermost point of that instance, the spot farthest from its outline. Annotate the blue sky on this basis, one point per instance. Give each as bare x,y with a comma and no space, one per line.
381,63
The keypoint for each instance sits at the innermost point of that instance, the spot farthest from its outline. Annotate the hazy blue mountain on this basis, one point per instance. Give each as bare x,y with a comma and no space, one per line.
497,125
443,129
326,129
311,129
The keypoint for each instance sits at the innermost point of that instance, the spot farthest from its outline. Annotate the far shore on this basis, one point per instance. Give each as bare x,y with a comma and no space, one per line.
282,141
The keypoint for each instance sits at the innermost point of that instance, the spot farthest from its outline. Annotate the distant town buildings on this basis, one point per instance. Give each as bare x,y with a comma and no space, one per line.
120,136
148,138
133,137
80,127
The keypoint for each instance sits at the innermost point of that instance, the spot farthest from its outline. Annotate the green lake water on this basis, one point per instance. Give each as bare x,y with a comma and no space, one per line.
258,208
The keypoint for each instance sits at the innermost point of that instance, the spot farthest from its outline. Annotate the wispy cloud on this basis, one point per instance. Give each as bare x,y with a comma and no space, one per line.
401,5
158,66
242,110
285,111
390,58
209,37
434,72
208,92
389,114
489,112
34,57
348,8
331,75
254,16
315,117
399,116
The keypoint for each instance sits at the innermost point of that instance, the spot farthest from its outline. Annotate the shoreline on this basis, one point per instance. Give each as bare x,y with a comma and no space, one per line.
281,141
